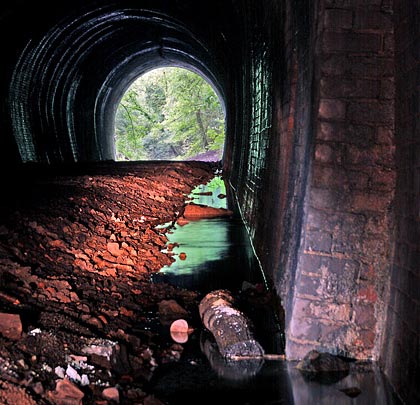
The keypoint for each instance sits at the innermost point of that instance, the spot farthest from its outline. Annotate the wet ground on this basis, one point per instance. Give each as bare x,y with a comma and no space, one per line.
91,258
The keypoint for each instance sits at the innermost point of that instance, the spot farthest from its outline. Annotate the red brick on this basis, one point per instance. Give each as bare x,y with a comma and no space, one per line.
324,153
375,156
370,202
308,285
334,65
310,263
325,177
332,109
357,180
388,47
368,294
370,112
368,19
342,88
338,18
364,315
306,329
385,136
370,66
318,241
324,199
383,180
351,42
368,338
388,89
329,131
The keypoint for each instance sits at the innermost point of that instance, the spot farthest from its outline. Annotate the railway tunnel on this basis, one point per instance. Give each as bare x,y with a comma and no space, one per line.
322,146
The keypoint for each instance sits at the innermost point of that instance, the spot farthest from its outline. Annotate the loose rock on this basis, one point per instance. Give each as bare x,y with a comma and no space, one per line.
10,326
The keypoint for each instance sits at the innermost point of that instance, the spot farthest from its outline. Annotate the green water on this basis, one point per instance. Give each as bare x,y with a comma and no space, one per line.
219,255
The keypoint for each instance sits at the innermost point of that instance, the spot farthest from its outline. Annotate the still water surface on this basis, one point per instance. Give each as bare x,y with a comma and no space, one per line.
219,255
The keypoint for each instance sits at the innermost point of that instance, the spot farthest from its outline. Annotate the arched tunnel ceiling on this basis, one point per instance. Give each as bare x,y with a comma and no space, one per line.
76,61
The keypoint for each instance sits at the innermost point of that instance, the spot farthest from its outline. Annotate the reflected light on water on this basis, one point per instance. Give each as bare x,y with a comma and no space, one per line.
201,241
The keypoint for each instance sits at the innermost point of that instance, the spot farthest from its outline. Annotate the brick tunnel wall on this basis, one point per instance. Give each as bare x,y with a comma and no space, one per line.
401,352
343,268
271,147
316,183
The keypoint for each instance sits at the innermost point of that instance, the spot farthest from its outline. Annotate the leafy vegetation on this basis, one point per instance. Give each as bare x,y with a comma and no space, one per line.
169,114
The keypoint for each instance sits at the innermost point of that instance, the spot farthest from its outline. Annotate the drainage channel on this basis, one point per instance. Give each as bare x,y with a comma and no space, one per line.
212,254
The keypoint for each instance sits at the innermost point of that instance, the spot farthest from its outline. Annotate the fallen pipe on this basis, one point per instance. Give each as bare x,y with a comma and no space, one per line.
230,328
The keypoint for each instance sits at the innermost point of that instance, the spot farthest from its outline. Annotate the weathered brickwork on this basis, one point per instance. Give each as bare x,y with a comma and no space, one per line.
401,351
270,178
340,285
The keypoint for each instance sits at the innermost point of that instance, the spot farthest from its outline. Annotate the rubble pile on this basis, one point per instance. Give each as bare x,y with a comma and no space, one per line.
77,306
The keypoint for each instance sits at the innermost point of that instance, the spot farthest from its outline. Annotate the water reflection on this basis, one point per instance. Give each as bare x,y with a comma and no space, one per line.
211,194
364,384
266,383
226,368
218,255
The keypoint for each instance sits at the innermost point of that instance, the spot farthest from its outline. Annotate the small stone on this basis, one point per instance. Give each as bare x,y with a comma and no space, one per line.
179,331
38,388
66,393
317,362
73,374
126,312
181,221
170,310
114,249
85,380
10,326
60,372
111,394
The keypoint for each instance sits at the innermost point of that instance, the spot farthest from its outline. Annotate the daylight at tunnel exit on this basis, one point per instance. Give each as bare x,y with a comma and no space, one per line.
213,203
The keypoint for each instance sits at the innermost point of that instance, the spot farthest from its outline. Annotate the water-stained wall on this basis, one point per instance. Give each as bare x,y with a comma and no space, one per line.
401,350
316,183
345,253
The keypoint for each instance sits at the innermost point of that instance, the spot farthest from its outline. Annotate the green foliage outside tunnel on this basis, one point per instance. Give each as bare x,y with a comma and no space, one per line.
169,114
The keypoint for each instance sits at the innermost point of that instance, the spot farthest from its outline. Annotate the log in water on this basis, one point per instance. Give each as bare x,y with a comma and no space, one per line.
229,326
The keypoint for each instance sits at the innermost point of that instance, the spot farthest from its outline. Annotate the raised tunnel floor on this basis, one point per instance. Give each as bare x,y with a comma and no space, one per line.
85,313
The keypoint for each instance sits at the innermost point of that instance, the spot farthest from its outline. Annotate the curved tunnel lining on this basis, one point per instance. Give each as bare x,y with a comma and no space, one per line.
63,106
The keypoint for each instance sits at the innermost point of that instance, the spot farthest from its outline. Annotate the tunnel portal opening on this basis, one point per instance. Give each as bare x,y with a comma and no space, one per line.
170,113
68,80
